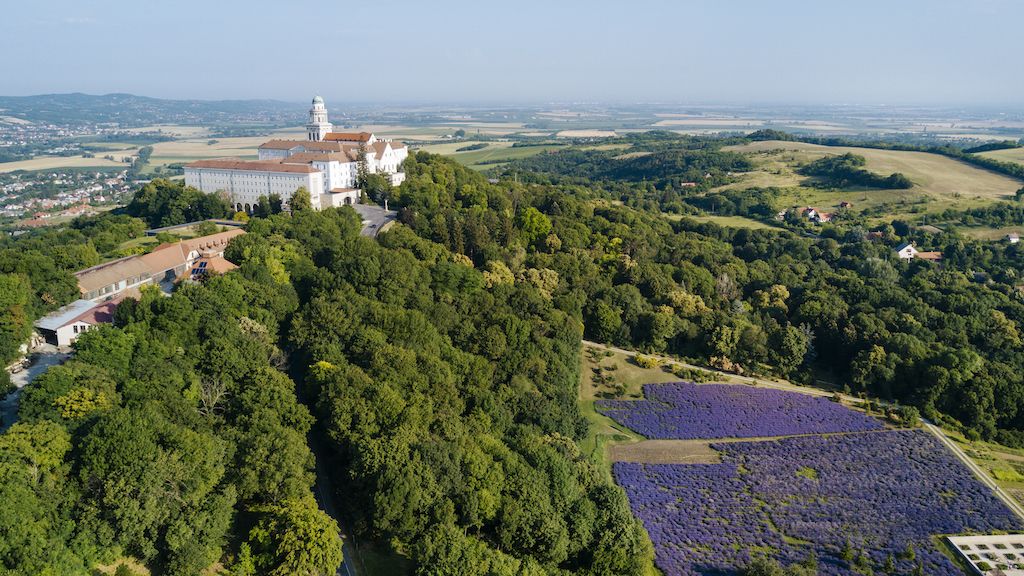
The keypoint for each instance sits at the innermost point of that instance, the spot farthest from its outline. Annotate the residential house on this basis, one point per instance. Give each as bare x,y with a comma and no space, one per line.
906,251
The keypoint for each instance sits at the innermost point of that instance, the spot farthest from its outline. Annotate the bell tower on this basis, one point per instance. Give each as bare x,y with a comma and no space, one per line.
318,126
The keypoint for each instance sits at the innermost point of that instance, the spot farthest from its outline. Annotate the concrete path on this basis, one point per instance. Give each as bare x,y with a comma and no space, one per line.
43,359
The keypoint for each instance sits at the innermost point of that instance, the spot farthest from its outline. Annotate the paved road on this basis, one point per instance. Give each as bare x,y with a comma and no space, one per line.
375,218
978,471
48,356
324,495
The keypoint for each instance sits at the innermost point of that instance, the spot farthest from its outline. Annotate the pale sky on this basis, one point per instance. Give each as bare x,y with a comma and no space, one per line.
926,52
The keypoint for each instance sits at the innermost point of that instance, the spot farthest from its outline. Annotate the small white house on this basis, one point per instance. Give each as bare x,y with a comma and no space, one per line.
65,325
1013,238
906,251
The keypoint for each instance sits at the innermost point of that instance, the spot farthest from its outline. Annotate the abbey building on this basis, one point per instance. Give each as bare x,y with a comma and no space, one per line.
327,163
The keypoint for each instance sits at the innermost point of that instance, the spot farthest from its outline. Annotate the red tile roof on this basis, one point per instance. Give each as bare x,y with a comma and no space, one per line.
308,145
254,165
347,137
346,156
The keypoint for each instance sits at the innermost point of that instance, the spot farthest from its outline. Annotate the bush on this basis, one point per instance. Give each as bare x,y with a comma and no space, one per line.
692,374
646,361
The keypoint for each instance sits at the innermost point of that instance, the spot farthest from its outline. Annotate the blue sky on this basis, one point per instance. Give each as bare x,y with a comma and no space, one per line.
452,51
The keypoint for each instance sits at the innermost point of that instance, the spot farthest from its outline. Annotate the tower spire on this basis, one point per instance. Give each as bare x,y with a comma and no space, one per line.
318,126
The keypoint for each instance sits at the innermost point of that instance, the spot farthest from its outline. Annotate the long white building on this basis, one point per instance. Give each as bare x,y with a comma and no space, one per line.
327,164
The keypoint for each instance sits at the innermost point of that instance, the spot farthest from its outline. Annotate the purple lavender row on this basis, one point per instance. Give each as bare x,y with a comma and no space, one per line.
783,498
685,410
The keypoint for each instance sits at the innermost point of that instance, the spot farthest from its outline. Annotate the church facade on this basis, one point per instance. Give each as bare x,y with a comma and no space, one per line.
327,163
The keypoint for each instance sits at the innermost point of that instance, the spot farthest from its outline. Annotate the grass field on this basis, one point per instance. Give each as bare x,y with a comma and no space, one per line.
939,182
604,431
57,162
994,234
1009,155
495,154
726,221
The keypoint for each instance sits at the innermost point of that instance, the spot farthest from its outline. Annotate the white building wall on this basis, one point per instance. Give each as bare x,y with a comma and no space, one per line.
273,154
246,186
338,174
66,335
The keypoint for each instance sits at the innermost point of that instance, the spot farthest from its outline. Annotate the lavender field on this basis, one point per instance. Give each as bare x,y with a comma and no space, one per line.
687,411
881,491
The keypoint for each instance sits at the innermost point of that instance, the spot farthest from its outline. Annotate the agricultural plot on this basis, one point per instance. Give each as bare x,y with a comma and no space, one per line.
58,162
939,182
789,476
495,154
856,500
1008,155
689,411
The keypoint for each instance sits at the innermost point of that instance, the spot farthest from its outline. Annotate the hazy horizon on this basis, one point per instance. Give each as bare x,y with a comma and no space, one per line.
912,53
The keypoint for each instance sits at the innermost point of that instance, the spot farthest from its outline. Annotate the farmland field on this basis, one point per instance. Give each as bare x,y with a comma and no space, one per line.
56,162
493,155
813,477
855,500
939,182
1008,155
688,411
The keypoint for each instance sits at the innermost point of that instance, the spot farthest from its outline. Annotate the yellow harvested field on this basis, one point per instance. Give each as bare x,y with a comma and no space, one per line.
1010,155
194,148
14,120
587,134
56,162
936,176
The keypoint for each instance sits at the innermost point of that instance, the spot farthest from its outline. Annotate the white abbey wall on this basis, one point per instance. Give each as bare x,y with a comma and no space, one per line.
246,186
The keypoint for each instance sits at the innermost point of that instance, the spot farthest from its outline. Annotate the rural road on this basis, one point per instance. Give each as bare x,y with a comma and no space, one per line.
978,471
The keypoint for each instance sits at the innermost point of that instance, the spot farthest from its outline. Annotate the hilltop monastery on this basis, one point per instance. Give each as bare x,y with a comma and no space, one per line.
326,164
